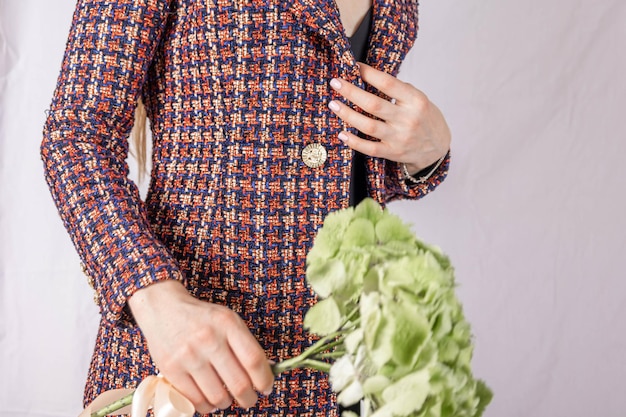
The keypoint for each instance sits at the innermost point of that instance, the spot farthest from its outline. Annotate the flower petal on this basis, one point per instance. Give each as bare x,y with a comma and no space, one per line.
323,318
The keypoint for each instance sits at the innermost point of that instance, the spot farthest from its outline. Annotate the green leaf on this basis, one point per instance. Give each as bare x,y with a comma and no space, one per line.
428,356
436,251
325,277
325,246
485,396
371,280
329,237
323,318
377,329
411,330
360,233
369,209
397,274
442,323
376,384
392,228
415,275
398,249
407,395
353,340
337,221
448,350
464,358
356,265
461,332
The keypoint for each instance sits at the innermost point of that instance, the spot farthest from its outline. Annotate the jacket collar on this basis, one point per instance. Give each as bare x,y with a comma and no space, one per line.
394,27
321,17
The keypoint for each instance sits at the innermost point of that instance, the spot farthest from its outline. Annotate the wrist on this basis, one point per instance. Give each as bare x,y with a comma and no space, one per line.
420,175
419,168
146,300
413,169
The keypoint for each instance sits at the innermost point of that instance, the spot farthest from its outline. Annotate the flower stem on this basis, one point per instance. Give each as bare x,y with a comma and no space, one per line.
305,359
315,364
329,346
122,402
289,364
310,358
335,354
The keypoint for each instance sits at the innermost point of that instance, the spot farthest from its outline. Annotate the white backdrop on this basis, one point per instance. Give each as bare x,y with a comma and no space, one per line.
532,213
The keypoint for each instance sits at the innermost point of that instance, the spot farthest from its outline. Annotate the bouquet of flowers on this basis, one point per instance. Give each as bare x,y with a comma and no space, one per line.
392,332
389,318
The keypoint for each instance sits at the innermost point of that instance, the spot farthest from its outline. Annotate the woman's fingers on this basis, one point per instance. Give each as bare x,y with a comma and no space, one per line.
188,387
409,128
213,391
236,356
253,359
389,85
363,123
367,101
234,376
367,147
205,350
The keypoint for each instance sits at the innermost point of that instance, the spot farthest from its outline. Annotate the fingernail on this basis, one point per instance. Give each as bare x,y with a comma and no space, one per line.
333,105
267,392
343,137
335,83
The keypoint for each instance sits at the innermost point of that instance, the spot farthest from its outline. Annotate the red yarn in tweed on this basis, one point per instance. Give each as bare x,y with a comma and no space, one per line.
234,90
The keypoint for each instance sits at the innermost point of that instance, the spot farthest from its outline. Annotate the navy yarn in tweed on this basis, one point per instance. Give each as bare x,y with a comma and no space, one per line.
235,90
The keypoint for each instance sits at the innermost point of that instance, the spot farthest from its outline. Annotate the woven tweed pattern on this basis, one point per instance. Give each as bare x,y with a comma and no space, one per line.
235,90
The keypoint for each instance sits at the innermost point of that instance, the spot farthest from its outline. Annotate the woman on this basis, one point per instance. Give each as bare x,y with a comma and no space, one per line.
256,109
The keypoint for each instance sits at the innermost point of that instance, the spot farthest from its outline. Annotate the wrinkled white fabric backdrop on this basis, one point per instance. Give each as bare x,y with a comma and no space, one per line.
532,213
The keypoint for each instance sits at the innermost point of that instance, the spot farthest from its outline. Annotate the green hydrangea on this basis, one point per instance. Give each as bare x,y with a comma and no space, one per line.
392,328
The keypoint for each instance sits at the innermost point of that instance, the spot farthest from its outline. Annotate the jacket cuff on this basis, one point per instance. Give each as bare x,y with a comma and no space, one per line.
111,292
399,187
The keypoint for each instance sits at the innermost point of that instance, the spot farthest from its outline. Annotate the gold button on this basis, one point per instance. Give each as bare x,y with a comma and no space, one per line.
314,155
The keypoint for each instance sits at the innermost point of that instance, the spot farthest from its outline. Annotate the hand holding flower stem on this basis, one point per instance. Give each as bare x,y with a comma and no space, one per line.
392,331
315,357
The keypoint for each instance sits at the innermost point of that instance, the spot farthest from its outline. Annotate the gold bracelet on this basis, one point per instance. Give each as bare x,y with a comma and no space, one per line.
423,178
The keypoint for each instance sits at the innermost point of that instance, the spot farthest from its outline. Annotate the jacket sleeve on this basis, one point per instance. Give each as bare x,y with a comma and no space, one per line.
392,38
396,187
84,149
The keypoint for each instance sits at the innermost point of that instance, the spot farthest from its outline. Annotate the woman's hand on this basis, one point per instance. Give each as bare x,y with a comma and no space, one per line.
410,128
205,350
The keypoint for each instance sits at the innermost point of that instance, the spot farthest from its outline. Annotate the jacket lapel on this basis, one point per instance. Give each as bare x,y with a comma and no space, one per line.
321,18
394,28
393,32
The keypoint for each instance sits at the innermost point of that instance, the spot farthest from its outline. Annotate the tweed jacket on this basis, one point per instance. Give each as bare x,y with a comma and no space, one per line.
235,90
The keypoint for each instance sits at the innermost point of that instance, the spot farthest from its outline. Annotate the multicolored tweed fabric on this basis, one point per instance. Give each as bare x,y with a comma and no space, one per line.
235,90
